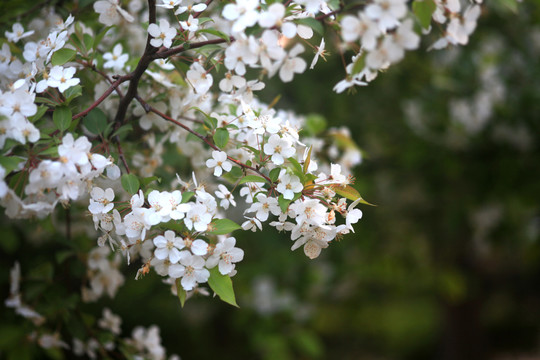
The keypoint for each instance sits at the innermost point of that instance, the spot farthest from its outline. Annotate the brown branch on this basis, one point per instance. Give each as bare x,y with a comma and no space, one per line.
121,153
136,75
108,92
182,48
149,108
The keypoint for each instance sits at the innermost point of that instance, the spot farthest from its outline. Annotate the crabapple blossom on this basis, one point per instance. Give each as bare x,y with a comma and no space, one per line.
115,60
191,24
110,12
279,148
169,4
225,256
191,8
101,201
264,206
252,224
243,13
190,269
199,78
18,33
226,197
292,64
62,78
168,246
162,34
198,218
219,162
289,185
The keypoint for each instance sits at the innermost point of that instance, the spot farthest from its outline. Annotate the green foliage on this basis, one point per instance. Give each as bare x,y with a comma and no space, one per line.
62,118
221,138
62,56
130,183
423,9
223,227
95,121
222,286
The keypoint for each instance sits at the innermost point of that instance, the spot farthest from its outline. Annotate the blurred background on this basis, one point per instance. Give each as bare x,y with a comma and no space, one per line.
447,266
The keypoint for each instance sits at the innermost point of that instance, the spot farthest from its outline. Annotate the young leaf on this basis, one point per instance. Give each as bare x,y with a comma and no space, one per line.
209,121
222,286
223,226
274,174
359,64
72,93
186,196
147,180
88,41
124,129
350,193
252,178
41,111
315,124
180,292
130,183
312,23
221,138
283,203
95,121
62,118
308,160
62,56
217,33
424,9
10,163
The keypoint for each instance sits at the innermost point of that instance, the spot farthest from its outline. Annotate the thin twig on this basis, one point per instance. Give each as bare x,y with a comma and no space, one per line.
136,75
108,92
149,108
182,48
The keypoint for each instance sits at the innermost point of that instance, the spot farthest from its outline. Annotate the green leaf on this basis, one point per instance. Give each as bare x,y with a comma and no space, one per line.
62,56
186,196
222,286
10,163
43,100
62,118
312,23
359,64
315,124
223,226
274,174
209,121
72,93
100,36
147,180
130,183
88,41
124,129
41,111
180,292
308,160
221,137
95,121
217,33
283,203
350,193
346,191
424,9
51,151
297,168
251,178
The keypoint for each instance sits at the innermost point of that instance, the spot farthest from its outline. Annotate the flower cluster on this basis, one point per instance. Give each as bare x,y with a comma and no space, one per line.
184,88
